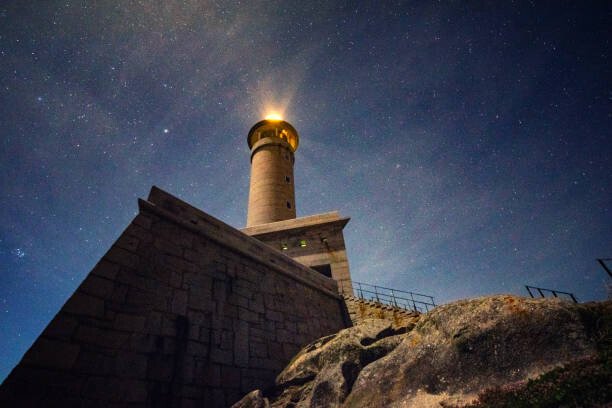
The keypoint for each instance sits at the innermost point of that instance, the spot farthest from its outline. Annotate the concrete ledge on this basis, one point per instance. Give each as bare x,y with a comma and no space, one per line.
297,223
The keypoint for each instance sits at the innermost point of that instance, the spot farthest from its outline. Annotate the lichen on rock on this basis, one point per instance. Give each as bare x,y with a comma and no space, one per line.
451,356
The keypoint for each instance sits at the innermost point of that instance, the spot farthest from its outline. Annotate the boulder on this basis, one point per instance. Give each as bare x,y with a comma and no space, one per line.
323,372
253,399
445,358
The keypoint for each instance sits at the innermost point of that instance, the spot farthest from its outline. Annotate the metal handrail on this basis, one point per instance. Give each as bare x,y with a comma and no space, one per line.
417,302
555,293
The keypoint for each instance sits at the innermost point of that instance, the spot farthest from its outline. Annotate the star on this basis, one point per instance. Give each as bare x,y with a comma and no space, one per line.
19,253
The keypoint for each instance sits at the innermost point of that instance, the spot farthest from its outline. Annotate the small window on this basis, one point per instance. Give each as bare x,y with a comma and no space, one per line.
288,179
268,133
288,205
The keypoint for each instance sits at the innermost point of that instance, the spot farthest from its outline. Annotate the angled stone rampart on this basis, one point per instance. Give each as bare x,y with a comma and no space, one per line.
183,310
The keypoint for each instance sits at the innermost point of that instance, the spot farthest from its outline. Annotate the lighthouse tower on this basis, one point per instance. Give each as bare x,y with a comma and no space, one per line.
271,193
316,241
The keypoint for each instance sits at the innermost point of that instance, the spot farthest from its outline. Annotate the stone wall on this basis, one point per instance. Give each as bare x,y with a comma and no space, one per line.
183,310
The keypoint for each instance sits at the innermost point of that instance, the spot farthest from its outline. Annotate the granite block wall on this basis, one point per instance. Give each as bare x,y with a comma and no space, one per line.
182,311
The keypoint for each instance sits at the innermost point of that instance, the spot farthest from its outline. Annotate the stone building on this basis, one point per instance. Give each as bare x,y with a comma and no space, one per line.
316,241
184,310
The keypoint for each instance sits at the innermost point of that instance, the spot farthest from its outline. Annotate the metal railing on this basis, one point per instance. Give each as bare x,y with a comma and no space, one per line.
413,301
555,293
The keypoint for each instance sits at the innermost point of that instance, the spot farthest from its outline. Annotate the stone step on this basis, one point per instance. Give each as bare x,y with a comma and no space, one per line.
383,306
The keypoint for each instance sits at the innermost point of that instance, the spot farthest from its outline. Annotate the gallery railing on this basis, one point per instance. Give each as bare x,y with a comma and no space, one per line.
556,293
417,302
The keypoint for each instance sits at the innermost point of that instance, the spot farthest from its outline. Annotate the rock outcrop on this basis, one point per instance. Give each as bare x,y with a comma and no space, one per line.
450,357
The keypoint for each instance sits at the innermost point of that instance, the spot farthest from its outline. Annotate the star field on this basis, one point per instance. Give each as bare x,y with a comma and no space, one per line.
469,143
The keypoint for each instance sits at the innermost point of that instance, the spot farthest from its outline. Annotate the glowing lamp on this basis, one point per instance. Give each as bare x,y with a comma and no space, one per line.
273,128
273,116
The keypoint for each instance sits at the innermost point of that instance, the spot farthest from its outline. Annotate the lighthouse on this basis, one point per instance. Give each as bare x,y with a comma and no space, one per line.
316,241
271,193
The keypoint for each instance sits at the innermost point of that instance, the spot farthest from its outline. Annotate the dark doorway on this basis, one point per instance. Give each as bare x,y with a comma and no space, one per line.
323,269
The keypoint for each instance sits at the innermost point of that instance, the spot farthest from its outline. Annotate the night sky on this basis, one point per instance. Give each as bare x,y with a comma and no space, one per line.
469,143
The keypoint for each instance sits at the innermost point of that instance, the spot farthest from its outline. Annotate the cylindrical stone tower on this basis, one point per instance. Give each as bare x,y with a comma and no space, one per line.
271,193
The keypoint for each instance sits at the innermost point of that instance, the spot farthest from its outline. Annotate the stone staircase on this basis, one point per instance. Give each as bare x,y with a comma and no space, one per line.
360,309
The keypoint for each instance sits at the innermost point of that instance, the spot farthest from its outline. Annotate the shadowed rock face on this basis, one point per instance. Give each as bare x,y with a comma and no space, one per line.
451,355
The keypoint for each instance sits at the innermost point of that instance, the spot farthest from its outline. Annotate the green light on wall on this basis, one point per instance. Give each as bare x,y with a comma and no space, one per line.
303,243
